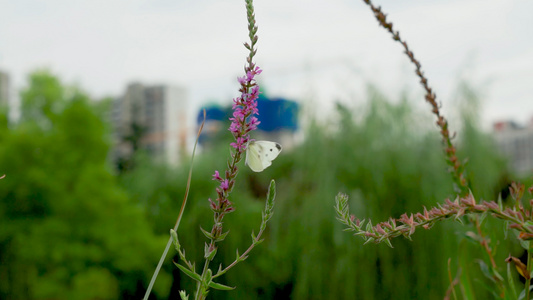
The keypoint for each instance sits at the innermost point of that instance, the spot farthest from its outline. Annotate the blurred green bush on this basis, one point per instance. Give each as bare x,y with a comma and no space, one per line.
388,158
70,229
67,229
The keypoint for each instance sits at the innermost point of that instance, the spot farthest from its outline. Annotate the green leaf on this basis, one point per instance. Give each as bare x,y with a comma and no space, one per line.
369,226
208,275
482,218
510,280
175,240
485,270
183,295
269,206
207,233
505,229
472,237
222,236
212,254
523,293
189,272
524,244
368,241
218,286
209,254
497,274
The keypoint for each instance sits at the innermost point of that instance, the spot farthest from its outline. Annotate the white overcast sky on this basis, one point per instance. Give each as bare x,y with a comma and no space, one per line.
313,51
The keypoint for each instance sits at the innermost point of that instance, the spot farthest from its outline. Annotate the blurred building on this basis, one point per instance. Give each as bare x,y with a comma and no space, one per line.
516,143
150,118
278,117
216,118
4,89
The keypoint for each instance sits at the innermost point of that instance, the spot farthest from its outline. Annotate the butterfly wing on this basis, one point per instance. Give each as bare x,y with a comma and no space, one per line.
259,154
270,150
253,158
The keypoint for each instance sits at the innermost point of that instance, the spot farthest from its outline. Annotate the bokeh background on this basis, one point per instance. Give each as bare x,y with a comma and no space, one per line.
96,168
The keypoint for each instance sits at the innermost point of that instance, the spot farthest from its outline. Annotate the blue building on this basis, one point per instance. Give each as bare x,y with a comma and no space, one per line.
278,117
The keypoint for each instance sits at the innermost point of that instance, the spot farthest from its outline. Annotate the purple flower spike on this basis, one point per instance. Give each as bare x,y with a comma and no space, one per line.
243,121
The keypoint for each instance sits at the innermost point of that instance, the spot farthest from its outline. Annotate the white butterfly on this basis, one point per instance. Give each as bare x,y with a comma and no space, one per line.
260,154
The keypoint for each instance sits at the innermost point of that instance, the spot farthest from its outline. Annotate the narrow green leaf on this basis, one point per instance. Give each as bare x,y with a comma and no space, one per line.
511,281
496,274
368,241
485,270
524,244
505,229
212,254
206,250
222,236
175,240
369,226
271,195
361,223
183,295
482,218
523,293
218,286
189,272
207,233
208,275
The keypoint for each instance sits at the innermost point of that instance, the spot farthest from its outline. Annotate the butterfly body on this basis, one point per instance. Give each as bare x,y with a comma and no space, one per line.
260,154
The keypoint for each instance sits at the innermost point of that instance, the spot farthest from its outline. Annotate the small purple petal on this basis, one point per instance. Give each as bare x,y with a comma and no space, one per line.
216,176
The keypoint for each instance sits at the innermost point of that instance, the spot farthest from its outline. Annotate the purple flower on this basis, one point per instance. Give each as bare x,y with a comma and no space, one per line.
235,127
212,204
216,176
243,120
240,145
224,185
252,125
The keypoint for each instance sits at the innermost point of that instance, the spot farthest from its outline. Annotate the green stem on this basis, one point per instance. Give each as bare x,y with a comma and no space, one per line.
199,294
180,215
528,275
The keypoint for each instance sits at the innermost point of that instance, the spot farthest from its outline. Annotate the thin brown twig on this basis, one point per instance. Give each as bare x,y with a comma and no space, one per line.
450,150
453,282
457,169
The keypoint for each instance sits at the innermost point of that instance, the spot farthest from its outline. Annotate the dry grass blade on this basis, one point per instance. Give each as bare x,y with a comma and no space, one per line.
164,255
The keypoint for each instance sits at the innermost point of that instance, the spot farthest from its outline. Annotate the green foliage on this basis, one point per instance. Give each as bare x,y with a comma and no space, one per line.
67,230
385,159
70,230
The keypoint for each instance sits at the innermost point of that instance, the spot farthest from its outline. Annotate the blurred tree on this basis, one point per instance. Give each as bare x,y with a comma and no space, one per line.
67,230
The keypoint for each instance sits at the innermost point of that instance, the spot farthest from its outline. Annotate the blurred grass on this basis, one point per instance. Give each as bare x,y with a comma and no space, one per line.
387,161
69,229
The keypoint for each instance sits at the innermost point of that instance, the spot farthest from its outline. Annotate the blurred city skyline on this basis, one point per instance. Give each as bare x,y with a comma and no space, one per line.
309,50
